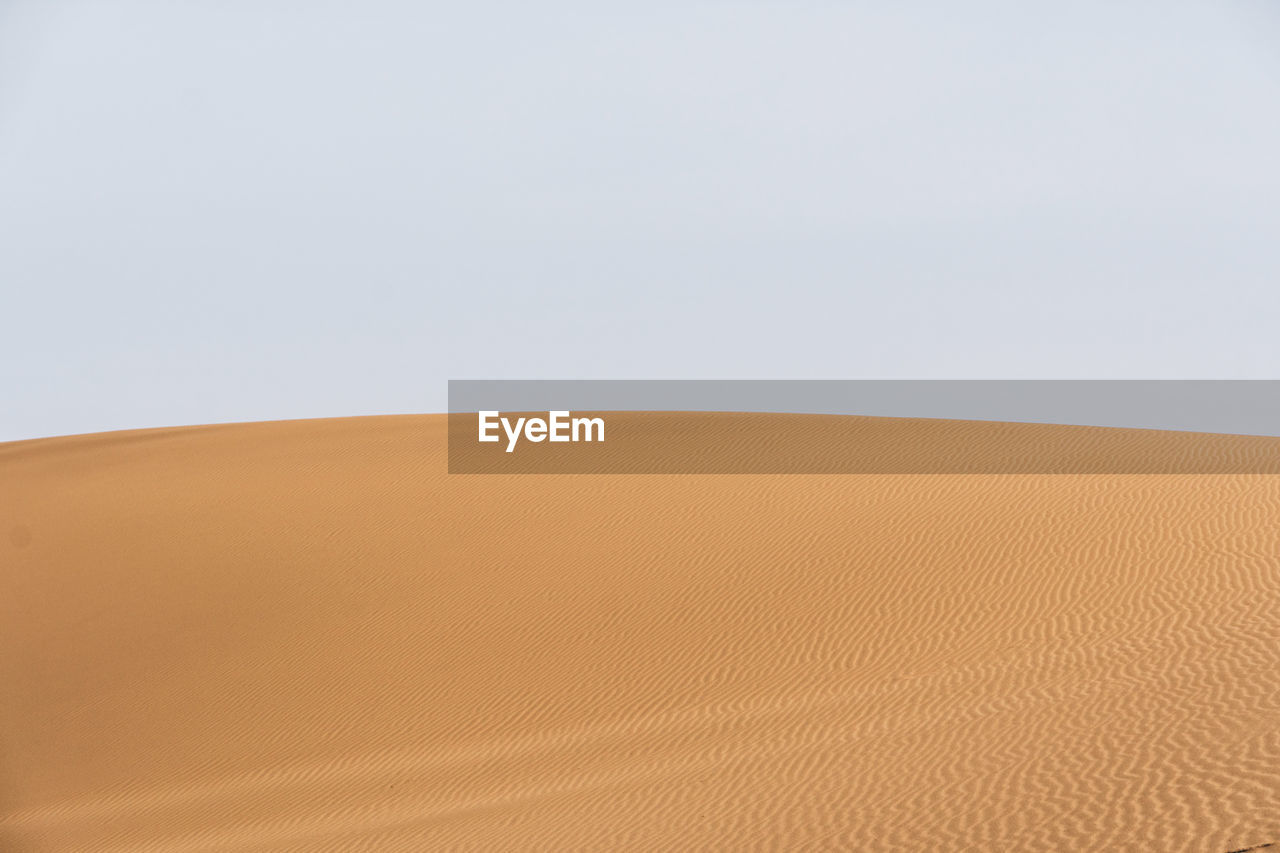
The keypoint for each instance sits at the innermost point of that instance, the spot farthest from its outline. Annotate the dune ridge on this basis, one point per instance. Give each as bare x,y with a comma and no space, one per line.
307,636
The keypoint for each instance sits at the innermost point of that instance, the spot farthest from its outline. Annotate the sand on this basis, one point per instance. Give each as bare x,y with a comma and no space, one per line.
306,636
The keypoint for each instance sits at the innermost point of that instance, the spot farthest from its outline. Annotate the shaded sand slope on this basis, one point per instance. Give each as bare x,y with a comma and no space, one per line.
305,636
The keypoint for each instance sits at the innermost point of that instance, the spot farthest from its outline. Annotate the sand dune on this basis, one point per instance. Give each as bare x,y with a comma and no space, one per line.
306,636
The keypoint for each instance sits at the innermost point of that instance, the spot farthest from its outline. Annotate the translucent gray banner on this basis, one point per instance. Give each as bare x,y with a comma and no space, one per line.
755,426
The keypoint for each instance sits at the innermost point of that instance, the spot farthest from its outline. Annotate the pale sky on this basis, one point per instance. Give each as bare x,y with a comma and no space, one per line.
226,211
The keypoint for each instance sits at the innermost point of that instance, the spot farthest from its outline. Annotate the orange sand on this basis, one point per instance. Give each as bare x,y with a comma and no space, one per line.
306,636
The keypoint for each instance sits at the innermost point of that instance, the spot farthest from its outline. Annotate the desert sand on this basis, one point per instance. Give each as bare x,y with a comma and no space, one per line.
307,636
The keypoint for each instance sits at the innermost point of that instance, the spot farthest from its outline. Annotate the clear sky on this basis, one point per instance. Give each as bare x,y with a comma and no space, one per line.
258,209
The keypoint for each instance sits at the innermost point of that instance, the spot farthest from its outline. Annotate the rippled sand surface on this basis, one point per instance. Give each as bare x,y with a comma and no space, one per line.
306,636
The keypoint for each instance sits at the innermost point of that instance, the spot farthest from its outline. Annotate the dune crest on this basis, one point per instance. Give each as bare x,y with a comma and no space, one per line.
307,636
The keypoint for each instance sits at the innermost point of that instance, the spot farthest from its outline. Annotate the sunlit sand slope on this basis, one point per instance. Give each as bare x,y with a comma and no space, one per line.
306,636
